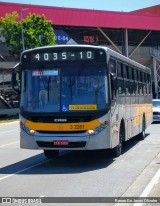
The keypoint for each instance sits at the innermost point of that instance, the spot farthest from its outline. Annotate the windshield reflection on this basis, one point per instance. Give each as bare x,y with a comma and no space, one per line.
64,90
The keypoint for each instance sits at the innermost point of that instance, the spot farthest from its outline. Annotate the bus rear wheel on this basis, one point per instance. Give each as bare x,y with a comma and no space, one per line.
142,135
50,154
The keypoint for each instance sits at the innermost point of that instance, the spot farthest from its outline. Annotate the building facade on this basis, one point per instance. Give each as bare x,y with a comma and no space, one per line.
134,34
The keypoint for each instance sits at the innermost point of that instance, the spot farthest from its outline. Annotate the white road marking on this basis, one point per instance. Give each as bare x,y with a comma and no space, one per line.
8,144
8,131
27,168
149,187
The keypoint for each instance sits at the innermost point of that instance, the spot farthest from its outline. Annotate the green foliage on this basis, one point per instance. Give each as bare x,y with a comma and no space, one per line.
11,30
37,32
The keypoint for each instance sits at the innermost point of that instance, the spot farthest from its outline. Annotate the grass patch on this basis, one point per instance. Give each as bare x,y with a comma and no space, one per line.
8,119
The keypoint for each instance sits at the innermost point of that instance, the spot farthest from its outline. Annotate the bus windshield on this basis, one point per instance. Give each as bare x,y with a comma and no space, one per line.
65,89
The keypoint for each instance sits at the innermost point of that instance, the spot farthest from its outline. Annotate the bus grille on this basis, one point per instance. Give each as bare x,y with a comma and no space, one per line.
61,132
50,119
70,145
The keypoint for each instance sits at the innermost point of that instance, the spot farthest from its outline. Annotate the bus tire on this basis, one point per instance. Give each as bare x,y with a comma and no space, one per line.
51,153
117,151
142,135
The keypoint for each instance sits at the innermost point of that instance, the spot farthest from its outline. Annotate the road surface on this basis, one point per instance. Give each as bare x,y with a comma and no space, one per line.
27,173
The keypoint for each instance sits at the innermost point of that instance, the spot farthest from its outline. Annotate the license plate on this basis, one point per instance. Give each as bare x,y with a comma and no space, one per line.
60,142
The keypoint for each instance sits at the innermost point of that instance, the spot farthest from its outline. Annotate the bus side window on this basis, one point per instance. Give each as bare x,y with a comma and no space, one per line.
147,88
119,69
135,74
112,68
135,80
145,84
130,73
131,77
124,72
127,71
139,82
149,83
119,78
126,79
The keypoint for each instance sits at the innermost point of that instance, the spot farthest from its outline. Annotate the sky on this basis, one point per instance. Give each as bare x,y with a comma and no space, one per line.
108,5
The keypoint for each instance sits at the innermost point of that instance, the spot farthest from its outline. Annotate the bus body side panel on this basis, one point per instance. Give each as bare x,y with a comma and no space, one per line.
114,124
128,117
149,112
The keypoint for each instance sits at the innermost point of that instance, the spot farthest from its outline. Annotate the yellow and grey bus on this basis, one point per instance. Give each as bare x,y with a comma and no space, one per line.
81,97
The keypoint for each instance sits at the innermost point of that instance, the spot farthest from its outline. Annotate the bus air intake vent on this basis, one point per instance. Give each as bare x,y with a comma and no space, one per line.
61,132
70,119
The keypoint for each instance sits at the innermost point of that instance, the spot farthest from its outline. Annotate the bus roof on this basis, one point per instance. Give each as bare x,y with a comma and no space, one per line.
107,49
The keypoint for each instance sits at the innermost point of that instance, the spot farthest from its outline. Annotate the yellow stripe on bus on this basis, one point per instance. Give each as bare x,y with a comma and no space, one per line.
139,110
62,126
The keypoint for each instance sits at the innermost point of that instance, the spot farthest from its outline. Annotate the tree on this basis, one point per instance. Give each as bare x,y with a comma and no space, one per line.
37,32
10,30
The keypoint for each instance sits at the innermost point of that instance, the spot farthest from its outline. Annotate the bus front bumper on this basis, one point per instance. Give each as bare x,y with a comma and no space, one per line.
83,141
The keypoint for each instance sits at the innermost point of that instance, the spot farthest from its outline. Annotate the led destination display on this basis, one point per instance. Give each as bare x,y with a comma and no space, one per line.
63,56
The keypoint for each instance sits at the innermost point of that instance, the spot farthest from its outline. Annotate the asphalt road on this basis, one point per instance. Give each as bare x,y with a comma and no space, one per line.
27,173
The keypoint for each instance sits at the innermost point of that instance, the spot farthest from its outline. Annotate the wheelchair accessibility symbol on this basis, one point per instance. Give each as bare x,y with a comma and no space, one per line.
64,108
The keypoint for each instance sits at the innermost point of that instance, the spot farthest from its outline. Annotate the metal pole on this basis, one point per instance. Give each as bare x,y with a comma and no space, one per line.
21,11
140,43
126,42
155,78
102,32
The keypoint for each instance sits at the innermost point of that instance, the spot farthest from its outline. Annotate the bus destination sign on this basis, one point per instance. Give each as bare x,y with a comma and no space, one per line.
63,56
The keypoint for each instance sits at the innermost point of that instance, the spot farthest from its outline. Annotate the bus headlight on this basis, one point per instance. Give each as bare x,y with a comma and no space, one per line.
98,129
91,131
31,131
27,129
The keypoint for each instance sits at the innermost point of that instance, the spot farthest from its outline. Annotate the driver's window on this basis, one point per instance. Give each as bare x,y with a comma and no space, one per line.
112,69
112,66
16,84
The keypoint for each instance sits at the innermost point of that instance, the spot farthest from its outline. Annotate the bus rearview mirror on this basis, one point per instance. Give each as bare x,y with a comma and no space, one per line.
16,79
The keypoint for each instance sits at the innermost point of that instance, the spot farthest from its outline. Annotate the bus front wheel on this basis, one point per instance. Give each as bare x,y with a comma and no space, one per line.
117,151
51,153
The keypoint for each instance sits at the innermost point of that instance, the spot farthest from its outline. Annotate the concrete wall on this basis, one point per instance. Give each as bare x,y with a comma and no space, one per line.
9,112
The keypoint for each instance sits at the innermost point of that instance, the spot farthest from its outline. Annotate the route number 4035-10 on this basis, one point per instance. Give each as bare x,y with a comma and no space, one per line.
61,56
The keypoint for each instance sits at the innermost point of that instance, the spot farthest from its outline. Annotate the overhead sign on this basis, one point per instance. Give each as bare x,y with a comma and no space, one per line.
62,37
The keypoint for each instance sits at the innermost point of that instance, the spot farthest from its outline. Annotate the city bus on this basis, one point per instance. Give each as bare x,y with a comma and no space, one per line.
81,97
